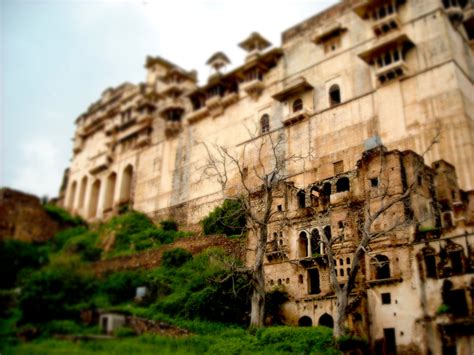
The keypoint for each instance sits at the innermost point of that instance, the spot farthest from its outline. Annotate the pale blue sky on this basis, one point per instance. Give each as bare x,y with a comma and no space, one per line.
57,56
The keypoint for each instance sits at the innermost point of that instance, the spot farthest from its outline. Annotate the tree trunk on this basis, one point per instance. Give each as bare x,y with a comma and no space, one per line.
341,314
257,313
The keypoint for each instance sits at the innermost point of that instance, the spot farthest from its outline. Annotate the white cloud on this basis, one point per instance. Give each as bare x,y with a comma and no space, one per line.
37,168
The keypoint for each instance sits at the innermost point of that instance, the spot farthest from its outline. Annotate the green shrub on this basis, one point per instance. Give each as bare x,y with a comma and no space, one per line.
61,238
175,257
442,309
349,343
85,245
54,293
228,219
121,286
202,288
310,340
62,216
16,256
61,327
169,225
124,332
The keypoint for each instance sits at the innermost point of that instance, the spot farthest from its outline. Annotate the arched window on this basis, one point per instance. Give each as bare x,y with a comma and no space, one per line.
327,189
82,192
303,245
327,232
126,185
265,124
94,199
305,321
72,195
343,184
110,191
326,321
297,105
315,242
380,267
334,95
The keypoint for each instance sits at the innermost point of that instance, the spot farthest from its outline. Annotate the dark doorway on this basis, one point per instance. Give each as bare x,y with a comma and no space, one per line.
305,321
390,342
313,282
326,321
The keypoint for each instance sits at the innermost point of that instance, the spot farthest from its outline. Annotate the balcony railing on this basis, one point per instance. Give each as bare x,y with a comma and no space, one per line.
386,24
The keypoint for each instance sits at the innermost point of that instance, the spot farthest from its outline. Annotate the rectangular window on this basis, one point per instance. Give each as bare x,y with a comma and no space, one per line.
386,298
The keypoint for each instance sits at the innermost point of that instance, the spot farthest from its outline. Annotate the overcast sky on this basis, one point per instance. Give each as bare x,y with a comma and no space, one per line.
57,56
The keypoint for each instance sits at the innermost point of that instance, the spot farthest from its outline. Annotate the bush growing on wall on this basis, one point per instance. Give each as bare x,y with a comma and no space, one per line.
175,257
228,219
120,286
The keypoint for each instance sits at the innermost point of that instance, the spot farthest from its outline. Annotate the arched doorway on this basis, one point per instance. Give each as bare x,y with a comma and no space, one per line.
82,192
110,192
94,199
305,321
72,195
303,245
126,185
326,321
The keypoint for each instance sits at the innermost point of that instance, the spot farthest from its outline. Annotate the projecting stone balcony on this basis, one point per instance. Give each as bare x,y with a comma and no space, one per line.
133,129
339,197
392,71
390,280
297,116
172,127
196,115
100,162
386,24
230,98
172,87
214,105
253,87
171,103
143,140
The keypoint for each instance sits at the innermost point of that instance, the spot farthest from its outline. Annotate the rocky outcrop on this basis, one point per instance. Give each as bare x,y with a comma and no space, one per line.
22,217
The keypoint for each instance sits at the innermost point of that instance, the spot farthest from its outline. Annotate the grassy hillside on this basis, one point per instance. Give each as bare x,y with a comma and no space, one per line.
50,286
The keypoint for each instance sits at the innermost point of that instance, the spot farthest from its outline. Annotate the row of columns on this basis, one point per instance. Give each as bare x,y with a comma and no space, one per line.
90,197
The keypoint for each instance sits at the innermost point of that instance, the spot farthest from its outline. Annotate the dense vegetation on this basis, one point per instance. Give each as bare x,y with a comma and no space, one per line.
228,219
201,293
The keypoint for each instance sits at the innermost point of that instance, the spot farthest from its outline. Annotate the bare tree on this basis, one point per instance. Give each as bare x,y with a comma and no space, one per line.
250,173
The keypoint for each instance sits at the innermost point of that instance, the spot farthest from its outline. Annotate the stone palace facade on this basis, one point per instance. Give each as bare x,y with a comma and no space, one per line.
358,75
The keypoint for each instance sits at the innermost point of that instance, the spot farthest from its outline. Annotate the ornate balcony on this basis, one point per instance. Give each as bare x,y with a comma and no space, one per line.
100,162
214,105
297,116
196,115
253,87
386,24
230,98
172,127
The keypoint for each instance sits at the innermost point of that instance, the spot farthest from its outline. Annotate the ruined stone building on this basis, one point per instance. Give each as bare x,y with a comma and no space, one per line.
415,289
359,74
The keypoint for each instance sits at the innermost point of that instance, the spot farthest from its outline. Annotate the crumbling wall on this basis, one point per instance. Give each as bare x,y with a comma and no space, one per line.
23,218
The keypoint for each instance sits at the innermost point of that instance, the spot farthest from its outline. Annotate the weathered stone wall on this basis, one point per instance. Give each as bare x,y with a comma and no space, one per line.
152,258
23,218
